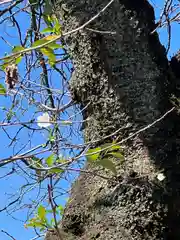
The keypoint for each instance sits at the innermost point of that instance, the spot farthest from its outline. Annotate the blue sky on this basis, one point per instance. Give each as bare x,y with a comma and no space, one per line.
9,185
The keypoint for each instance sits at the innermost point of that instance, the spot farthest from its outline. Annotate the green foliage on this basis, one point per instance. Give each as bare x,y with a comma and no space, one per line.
105,155
53,25
50,54
17,49
41,212
41,220
94,154
107,163
48,50
2,90
50,160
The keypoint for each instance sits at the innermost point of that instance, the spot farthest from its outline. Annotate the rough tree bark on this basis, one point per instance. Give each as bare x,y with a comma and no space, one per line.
127,81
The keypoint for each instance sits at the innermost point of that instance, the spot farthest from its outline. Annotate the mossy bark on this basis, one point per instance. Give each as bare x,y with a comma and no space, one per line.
126,81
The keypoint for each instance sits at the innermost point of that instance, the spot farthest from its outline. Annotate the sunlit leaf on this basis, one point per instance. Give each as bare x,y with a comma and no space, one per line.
52,221
41,212
55,46
116,147
107,163
17,49
18,60
47,19
50,54
2,89
44,40
48,30
57,27
39,42
50,37
110,147
60,208
35,224
50,160
94,156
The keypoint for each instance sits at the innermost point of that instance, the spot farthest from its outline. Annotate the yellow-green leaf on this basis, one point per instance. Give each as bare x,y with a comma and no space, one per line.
116,147
57,28
93,157
110,147
54,45
50,160
44,40
49,53
47,19
50,37
2,89
17,49
41,212
39,42
47,30
18,60
35,224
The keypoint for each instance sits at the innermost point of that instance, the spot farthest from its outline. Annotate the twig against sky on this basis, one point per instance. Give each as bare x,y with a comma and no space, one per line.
59,36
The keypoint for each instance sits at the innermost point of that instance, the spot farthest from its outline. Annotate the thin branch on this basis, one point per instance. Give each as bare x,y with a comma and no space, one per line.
59,36
8,234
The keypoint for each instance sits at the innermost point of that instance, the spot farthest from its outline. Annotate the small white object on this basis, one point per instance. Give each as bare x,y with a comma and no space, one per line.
44,120
161,177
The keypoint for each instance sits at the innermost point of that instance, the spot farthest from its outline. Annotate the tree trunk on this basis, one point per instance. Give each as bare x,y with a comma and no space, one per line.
126,80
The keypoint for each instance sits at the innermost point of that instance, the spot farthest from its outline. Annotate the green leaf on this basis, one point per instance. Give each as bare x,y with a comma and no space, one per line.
115,147
50,160
44,40
39,42
48,30
57,27
41,212
50,54
2,89
17,49
35,224
55,46
117,155
18,60
52,222
108,164
110,147
94,156
4,66
56,170
47,19
60,208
